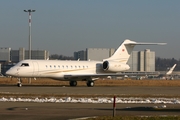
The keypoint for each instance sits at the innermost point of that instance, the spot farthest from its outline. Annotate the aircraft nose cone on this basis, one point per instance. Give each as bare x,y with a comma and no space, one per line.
8,73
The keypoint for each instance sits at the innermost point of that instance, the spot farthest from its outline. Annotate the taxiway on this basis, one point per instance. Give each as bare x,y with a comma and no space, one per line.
65,111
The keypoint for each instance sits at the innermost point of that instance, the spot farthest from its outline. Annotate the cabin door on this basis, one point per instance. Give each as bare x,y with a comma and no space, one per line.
35,69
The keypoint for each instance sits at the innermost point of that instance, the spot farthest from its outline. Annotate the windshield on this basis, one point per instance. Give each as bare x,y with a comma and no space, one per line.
24,64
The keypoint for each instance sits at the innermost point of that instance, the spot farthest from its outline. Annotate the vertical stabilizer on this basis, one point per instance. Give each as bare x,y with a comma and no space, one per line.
123,53
171,70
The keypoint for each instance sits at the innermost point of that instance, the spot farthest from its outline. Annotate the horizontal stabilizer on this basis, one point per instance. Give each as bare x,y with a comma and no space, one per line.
142,43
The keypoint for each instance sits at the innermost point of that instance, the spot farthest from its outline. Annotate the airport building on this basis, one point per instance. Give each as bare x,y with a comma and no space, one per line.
21,54
143,61
7,54
81,55
139,61
94,54
99,53
9,57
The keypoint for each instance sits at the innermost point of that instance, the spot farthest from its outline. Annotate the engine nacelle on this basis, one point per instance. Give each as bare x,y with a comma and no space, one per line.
112,66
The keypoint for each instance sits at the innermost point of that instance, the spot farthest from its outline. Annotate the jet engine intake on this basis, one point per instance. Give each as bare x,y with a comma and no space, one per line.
113,66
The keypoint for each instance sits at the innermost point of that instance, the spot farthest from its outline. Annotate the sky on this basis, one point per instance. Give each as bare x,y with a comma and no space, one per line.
65,26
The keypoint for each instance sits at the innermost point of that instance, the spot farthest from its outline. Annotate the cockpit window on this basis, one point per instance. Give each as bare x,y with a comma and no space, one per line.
24,64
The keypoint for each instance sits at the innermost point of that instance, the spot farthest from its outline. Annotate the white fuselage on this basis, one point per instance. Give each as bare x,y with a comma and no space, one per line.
56,69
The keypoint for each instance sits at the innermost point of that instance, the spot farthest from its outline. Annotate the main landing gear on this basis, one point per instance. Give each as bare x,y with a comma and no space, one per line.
73,83
89,83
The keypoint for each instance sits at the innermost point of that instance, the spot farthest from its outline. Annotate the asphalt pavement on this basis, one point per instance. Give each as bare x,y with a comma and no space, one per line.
65,111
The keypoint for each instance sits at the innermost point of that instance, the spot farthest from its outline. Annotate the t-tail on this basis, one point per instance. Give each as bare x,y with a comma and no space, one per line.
123,53
118,61
171,70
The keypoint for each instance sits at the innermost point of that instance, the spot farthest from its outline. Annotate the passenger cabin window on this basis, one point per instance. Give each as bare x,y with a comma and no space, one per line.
24,64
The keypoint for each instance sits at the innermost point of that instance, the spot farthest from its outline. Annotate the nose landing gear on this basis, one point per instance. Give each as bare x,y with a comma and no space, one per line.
19,84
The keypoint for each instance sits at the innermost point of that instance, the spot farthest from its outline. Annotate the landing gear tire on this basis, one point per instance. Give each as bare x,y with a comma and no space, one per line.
73,83
19,84
90,83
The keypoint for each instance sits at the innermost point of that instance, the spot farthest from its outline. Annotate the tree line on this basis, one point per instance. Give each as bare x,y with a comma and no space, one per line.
162,64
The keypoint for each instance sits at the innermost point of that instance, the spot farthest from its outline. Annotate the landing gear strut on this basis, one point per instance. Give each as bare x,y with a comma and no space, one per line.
19,84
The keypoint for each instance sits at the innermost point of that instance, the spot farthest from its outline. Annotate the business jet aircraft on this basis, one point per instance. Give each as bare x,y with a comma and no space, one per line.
73,71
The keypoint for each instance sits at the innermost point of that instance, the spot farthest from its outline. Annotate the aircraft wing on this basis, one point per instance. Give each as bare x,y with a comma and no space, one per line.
78,76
